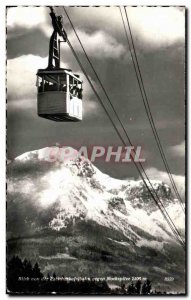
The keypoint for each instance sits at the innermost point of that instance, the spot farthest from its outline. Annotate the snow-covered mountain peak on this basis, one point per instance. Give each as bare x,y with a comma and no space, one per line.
66,156
49,154
77,189
74,203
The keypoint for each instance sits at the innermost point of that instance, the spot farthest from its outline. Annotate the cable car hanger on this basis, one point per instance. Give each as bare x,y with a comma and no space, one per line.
59,91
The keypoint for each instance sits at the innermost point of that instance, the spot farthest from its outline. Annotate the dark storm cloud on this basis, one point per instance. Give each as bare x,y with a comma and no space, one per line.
163,74
21,41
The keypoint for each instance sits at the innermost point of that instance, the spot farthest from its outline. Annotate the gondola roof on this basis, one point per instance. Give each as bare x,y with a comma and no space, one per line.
59,71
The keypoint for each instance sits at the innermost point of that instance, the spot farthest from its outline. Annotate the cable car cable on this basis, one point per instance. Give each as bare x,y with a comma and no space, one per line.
174,229
152,122
115,112
147,107
136,165
153,127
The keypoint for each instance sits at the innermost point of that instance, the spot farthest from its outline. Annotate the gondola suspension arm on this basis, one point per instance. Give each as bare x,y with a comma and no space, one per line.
54,51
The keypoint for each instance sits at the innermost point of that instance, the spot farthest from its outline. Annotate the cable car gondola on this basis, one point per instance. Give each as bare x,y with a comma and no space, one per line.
59,91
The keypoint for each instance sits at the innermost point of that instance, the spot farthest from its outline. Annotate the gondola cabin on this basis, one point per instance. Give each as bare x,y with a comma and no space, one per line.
59,95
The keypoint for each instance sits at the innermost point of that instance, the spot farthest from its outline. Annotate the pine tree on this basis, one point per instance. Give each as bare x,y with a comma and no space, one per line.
27,268
149,286
36,271
138,287
146,288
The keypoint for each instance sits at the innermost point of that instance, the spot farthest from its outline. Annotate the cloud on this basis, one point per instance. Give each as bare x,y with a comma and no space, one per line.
21,75
151,26
178,150
22,19
27,17
157,26
99,44
155,174
22,104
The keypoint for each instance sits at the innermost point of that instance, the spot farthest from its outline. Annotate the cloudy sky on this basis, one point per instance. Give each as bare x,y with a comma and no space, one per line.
159,39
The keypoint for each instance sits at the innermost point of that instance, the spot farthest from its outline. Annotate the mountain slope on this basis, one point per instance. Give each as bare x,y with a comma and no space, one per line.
69,213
